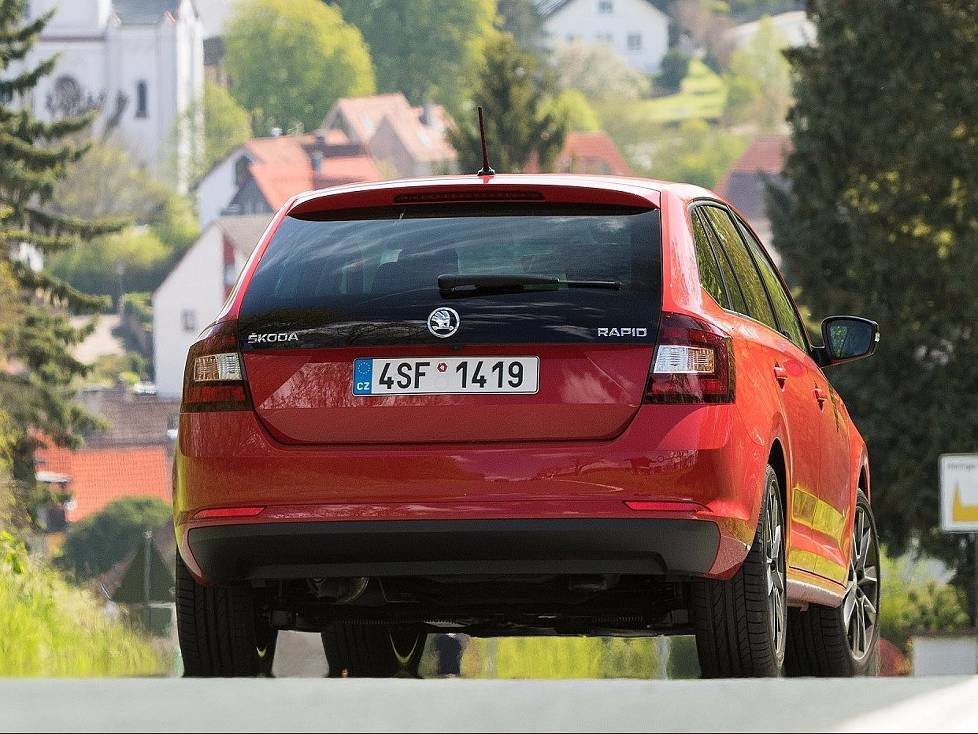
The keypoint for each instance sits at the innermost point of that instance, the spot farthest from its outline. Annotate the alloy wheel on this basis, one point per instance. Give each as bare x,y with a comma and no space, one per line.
775,569
861,604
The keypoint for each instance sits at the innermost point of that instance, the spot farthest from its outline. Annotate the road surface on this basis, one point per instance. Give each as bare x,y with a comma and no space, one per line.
302,705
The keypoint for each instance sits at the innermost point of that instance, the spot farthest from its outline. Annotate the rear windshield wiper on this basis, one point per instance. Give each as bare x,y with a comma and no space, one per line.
464,285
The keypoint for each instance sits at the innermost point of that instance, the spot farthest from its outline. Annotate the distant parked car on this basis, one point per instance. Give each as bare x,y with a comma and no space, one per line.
505,405
144,388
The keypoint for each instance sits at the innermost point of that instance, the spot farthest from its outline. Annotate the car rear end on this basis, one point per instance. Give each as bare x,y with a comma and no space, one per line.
463,401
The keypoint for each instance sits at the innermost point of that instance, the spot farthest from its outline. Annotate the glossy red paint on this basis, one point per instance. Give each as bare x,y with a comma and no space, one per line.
585,393
225,512
586,446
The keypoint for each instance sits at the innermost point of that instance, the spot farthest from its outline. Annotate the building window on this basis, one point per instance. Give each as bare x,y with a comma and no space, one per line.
605,38
241,170
188,318
142,103
606,7
67,99
634,41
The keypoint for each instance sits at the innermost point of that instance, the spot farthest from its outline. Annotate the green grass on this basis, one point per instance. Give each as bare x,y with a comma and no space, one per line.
702,95
48,628
560,657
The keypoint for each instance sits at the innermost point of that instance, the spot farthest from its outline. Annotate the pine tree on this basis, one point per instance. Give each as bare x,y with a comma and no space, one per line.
522,126
883,221
39,368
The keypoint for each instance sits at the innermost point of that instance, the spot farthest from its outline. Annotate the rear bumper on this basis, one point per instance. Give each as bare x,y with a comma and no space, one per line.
699,456
454,547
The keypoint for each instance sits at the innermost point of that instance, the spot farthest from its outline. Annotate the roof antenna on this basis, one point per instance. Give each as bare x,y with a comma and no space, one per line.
486,169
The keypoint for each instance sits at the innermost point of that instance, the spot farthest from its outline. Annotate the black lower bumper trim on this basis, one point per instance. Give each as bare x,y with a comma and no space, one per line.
450,547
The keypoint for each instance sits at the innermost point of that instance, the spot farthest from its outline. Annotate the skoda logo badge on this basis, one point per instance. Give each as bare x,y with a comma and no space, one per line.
443,322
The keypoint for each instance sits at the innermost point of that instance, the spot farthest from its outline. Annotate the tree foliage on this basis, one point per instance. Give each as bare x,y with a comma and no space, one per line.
759,81
599,72
106,182
226,126
290,60
914,600
883,223
421,47
522,20
97,543
572,107
34,155
515,90
708,23
696,152
672,70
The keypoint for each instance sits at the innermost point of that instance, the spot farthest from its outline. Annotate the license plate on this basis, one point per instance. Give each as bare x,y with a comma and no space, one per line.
446,376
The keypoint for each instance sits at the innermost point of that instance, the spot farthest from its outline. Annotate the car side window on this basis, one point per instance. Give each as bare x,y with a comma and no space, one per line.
706,262
734,247
783,307
734,293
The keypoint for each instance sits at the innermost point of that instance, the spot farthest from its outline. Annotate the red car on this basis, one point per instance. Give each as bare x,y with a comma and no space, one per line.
521,405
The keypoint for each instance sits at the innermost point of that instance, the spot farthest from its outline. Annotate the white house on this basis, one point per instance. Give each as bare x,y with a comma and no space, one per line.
637,29
794,27
140,61
195,290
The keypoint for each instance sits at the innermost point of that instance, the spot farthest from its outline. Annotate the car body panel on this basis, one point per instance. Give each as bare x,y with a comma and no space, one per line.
583,463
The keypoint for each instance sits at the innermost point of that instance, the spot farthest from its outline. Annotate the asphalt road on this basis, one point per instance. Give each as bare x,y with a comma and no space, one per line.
909,704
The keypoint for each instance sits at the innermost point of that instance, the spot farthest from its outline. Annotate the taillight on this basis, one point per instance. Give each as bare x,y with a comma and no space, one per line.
214,376
693,363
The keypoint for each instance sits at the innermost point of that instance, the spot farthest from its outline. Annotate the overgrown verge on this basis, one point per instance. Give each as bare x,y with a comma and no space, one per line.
48,628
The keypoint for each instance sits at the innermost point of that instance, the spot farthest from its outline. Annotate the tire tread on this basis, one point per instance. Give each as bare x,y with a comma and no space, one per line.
730,617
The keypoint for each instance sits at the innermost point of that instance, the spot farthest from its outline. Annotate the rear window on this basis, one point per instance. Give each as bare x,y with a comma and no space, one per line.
372,277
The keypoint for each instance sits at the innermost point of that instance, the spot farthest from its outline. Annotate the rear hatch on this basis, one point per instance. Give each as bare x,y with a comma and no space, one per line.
453,323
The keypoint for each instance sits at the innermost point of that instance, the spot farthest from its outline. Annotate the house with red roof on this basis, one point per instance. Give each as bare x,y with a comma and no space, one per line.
588,152
405,141
261,175
744,183
130,456
362,139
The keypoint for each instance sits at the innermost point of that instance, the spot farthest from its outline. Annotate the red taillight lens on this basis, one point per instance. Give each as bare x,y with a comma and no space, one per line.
693,363
226,512
214,376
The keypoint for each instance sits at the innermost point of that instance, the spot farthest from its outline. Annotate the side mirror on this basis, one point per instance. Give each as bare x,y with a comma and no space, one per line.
847,338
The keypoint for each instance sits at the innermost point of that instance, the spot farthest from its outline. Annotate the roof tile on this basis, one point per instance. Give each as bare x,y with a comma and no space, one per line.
100,476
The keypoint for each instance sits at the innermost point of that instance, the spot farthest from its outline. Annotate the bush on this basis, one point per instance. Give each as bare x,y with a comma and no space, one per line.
100,541
915,599
49,629
140,306
674,67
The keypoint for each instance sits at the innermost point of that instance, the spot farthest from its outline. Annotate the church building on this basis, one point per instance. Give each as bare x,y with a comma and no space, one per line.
139,62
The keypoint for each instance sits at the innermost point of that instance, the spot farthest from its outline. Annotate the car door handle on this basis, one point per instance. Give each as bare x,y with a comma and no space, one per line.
780,374
821,396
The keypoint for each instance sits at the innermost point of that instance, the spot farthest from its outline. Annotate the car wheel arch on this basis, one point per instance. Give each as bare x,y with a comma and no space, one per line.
778,460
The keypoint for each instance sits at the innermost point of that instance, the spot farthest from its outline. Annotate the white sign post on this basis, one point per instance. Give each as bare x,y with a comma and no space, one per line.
959,501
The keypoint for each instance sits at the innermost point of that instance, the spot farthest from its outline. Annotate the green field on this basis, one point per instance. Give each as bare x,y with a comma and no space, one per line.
702,95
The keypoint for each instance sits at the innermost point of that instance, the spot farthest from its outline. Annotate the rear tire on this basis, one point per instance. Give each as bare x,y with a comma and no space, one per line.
843,641
372,650
740,623
220,635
